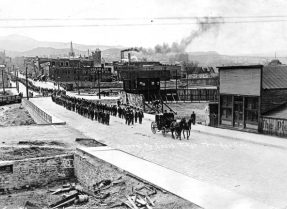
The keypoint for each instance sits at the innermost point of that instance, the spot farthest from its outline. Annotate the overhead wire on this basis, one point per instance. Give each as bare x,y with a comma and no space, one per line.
152,22
138,18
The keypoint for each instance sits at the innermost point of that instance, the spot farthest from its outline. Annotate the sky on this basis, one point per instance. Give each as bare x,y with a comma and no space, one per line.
247,27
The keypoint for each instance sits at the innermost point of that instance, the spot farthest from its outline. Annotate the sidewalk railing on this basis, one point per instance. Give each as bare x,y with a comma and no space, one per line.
46,117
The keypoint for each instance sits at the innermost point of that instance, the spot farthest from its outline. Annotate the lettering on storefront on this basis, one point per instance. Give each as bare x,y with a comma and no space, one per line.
274,126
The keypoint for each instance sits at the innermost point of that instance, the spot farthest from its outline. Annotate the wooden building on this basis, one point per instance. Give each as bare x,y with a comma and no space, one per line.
174,71
146,82
248,94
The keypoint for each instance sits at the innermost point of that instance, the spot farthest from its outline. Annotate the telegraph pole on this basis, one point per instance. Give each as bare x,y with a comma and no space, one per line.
99,83
17,81
27,90
165,85
78,73
187,92
176,83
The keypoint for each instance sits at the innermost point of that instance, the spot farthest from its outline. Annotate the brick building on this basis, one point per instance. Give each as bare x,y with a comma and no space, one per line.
82,72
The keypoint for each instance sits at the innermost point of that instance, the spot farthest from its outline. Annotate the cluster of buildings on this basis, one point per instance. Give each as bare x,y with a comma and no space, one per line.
141,77
245,97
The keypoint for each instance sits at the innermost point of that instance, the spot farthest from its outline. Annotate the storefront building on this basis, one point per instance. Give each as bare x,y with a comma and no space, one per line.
249,94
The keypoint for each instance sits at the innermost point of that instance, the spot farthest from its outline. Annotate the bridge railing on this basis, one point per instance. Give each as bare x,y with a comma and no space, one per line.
46,117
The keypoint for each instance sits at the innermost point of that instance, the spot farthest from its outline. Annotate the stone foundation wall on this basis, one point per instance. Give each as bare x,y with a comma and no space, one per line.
35,171
37,114
90,171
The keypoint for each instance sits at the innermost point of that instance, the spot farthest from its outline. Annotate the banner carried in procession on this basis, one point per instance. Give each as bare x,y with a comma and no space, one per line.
135,100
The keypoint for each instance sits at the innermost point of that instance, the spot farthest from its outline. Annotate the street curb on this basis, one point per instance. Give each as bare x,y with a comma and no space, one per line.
48,124
242,139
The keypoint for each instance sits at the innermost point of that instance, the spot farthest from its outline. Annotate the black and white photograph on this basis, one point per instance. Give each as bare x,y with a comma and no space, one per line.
143,104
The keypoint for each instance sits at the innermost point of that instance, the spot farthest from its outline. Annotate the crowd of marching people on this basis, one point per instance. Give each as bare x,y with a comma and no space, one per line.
131,115
40,90
98,111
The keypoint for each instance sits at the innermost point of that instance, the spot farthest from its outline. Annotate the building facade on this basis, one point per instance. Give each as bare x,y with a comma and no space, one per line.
78,70
174,71
248,94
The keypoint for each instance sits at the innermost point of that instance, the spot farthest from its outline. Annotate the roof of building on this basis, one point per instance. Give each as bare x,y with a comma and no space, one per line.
199,70
274,77
275,62
239,67
280,112
274,74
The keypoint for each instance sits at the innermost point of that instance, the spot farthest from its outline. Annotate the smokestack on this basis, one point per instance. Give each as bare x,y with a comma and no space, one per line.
129,57
122,55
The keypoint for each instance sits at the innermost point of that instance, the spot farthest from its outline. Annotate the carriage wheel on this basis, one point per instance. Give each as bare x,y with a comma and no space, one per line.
164,132
153,127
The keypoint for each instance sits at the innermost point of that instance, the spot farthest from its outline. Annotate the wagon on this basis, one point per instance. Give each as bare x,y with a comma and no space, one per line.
162,123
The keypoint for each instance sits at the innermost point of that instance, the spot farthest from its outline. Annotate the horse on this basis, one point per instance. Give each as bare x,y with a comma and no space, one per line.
186,127
176,127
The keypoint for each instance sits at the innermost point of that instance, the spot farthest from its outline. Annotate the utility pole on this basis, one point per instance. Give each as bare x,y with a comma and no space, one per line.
176,83
99,83
78,78
187,92
27,90
94,78
16,77
17,81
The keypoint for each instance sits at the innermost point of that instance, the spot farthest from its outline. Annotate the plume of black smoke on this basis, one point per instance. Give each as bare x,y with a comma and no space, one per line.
204,25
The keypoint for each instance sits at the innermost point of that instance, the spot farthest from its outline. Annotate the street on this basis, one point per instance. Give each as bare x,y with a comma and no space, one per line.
235,165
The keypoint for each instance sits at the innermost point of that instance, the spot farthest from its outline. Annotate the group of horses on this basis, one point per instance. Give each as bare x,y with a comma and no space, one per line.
182,127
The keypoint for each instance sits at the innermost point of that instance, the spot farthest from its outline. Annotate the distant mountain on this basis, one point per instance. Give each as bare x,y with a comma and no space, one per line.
16,46
17,43
210,53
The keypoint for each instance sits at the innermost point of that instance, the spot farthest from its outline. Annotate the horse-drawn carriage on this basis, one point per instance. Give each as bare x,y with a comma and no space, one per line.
162,123
166,123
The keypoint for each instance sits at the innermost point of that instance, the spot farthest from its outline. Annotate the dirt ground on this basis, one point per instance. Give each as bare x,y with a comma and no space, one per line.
23,151
15,115
117,194
42,197
89,142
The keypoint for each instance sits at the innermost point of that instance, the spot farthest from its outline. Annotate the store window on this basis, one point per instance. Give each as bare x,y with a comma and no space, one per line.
251,109
226,107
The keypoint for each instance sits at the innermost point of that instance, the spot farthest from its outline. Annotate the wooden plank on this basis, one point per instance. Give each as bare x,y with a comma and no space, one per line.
132,202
